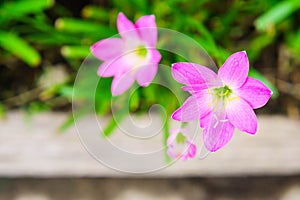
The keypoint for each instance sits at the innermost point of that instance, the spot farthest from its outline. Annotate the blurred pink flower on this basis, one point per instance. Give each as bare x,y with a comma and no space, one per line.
221,101
180,145
131,57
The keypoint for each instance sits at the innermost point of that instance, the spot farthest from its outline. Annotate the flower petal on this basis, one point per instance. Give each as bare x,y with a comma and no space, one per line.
146,74
192,74
153,55
193,89
242,116
255,93
172,136
108,48
126,28
234,71
107,69
121,83
194,108
217,134
205,120
192,150
189,111
147,29
116,67
204,100
171,152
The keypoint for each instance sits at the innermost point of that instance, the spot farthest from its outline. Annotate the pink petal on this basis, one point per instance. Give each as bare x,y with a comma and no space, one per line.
115,67
204,100
217,134
198,105
171,153
198,88
126,28
205,120
147,29
108,48
107,69
217,128
214,110
194,88
242,116
184,156
189,111
192,150
234,71
255,93
146,74
192,74
154,55
172,136
121,83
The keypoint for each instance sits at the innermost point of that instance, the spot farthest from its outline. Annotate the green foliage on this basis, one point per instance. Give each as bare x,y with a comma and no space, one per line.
14,13
276,14
95,12
75,51
26,30
2,111
20,48
12,10
84,27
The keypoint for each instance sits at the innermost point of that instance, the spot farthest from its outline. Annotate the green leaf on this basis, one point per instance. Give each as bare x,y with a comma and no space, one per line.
293,43
110,127
113,123
20,48
66,124
95,12
140,5
134,101
70,121
75,51
209,39
83,27
53,38
102,106
2,110
276,14
17,9
66,91
166,130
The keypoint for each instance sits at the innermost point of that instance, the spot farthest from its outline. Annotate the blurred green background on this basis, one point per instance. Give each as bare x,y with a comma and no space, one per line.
43,42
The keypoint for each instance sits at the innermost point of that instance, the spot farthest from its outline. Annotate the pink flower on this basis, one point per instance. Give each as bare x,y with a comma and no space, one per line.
180,145
131,57
221,101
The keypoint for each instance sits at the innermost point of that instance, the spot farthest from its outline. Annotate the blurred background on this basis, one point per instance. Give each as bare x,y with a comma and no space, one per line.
43,43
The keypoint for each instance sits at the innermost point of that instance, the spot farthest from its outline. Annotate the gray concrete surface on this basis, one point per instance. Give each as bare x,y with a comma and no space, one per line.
39,163
34,148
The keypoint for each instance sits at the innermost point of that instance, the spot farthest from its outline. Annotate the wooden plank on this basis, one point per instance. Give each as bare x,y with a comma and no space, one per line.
36,149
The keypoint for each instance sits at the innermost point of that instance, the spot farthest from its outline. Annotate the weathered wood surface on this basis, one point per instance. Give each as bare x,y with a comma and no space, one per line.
36,149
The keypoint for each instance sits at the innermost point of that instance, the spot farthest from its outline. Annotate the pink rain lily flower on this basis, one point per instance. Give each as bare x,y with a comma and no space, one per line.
131,57
180,145
222,101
